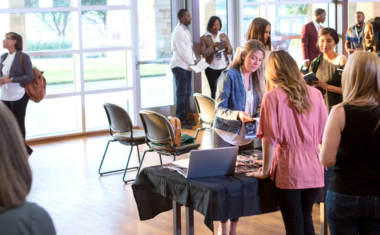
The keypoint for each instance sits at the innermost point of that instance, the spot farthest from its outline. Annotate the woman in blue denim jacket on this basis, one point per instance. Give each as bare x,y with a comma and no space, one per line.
238,97
351,143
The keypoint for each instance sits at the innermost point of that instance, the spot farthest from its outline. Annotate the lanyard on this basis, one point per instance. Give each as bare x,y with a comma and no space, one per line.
357,34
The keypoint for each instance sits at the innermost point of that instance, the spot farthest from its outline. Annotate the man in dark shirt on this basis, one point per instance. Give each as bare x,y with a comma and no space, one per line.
354,35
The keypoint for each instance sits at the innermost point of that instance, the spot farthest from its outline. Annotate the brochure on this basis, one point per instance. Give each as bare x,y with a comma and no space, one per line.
199,66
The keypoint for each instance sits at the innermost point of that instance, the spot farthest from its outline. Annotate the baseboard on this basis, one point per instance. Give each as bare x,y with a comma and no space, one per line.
55,138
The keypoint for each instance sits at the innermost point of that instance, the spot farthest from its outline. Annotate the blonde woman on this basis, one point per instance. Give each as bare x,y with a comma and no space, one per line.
292,120
17,216
351,143
238,97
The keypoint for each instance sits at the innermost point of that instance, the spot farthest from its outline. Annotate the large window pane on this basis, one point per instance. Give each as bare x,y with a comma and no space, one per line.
154,43
58,71
95,114
40,31
105,28
52,116
157,81
105,69
250,13
5,4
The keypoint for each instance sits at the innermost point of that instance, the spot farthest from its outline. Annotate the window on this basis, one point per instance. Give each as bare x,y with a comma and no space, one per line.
86,54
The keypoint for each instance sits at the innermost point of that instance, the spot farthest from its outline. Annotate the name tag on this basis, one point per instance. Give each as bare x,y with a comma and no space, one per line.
218,56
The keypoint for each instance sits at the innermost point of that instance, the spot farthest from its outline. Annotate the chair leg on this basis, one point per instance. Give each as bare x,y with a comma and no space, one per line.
174,158
138,153
196,133
142,159
126,167
160,158
101,164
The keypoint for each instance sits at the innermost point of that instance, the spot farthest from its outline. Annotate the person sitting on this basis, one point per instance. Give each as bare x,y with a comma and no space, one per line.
371,37
17,216
217,61
351,144
238,97
325,67
292,121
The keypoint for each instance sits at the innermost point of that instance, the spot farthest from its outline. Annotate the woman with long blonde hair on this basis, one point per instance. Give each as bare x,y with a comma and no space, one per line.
351,143
292,120
17,216
238,98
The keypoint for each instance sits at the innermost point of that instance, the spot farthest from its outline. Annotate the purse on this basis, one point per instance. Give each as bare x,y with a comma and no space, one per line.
176,125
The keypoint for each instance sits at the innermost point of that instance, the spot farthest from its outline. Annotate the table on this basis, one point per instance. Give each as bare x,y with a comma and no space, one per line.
217,198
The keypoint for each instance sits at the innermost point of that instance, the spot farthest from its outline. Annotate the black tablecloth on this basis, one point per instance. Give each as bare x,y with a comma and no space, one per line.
217,198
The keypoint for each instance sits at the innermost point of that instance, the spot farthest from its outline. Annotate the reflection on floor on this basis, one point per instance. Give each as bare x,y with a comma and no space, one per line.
80,202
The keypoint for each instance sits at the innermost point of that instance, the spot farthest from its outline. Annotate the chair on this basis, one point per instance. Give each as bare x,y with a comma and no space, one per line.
121,130
206,109
158,131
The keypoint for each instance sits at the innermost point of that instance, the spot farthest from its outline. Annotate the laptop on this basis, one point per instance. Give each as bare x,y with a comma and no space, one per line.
208,162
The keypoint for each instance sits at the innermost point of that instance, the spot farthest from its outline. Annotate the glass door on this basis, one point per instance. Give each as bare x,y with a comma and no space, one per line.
154,35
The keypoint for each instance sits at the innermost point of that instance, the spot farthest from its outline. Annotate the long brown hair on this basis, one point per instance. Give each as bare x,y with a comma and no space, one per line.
258,76
282,71
256,31
361,81
15,173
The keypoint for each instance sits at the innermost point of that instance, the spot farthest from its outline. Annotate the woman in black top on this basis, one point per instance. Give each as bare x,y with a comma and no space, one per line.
351,143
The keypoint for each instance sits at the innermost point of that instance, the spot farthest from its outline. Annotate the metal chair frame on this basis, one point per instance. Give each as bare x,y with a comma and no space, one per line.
199,112
128,143
148,139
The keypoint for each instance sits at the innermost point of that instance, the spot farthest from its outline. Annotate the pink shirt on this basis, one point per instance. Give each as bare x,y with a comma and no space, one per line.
296,137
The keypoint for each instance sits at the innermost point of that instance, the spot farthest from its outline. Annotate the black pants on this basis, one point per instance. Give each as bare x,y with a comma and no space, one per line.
212,78
296,207
18,108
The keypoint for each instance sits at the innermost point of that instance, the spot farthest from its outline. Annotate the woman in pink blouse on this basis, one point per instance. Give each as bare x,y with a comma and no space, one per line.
293,117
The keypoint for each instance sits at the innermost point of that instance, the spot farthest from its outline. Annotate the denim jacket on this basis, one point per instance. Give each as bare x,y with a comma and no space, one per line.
230,100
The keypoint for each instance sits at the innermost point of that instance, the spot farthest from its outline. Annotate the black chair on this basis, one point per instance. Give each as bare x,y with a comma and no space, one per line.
121,130
158,132
206,110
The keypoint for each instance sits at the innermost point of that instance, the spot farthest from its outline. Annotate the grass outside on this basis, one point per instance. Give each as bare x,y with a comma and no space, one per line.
61,71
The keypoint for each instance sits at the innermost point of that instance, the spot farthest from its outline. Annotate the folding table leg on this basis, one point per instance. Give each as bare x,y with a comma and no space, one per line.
189,221
176,218
323,218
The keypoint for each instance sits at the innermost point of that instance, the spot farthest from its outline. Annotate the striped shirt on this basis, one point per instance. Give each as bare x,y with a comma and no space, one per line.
355,37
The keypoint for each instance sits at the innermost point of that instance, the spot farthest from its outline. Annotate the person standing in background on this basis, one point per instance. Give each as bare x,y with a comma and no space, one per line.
354,35
13,77
183,57
309,36
260,29
209,46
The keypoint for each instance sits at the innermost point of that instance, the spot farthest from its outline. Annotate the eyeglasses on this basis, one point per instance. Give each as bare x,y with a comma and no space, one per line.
7,39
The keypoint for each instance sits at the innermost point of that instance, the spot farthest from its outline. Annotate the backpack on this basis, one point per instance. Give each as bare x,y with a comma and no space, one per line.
176,125
36,89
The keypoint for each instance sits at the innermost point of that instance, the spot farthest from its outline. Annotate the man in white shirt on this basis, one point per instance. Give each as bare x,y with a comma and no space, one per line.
183,56
309,36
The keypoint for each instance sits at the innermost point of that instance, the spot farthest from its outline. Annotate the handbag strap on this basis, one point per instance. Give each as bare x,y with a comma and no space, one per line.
22,66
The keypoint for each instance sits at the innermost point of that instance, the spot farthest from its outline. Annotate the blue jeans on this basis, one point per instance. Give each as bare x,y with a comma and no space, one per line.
353,215
182,79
